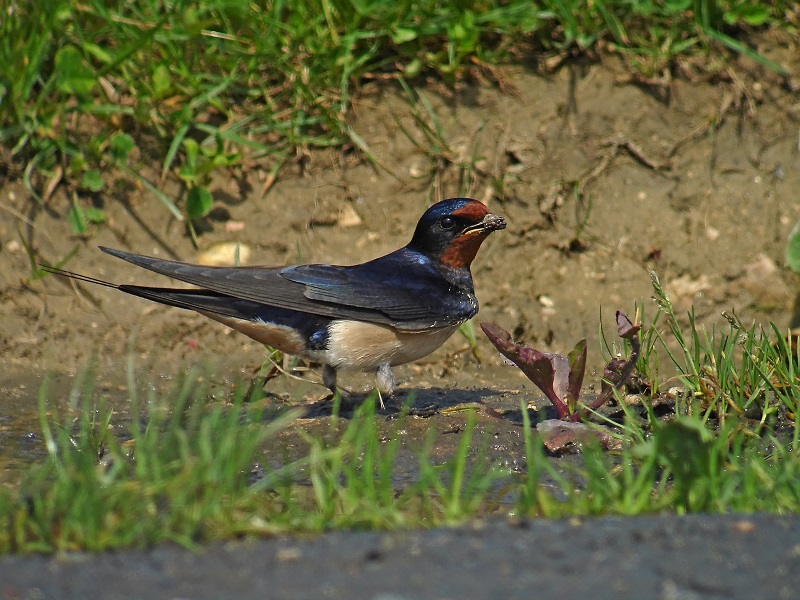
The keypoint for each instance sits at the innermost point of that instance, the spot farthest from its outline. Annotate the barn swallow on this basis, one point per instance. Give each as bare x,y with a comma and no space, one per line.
369,317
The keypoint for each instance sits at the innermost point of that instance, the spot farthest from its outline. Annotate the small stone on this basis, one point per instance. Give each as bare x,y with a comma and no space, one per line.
370,238
686,286
287,554
762,281
224,254
762,266
745,526
632,399
546,301
418,168
234,226
348,217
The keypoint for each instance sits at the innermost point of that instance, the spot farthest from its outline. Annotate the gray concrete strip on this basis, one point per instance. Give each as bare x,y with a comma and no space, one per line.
662,557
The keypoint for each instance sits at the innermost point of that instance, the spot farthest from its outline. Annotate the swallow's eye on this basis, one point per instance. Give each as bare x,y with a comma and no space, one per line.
447,222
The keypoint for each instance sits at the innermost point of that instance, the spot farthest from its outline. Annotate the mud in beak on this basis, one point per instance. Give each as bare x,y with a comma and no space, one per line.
488,224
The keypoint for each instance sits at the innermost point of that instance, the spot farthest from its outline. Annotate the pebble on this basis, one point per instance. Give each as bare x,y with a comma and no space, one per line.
223,254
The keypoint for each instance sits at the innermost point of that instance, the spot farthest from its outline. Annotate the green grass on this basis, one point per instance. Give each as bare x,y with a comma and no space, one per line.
182,471
91,91
185,476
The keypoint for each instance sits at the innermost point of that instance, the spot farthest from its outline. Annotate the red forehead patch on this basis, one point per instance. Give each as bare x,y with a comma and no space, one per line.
473,211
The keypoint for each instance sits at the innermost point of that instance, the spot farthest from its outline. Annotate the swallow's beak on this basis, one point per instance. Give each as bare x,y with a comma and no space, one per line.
488,224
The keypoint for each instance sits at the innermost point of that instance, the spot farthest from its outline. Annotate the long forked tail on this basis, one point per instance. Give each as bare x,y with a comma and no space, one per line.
78,276
201,300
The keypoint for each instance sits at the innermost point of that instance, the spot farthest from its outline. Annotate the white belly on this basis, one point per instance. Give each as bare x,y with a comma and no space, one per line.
366,346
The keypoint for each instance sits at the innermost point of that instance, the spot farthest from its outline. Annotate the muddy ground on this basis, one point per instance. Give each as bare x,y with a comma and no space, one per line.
693,177
710,214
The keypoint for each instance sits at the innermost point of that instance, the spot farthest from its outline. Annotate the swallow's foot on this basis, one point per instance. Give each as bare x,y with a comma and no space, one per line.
399,407
347,402
340,404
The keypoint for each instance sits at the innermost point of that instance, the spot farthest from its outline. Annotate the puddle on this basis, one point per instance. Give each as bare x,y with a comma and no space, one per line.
497,437
21,442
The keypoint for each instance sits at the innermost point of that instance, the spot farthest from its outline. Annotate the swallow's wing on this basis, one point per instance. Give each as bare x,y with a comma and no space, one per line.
263,285
376,295
412,295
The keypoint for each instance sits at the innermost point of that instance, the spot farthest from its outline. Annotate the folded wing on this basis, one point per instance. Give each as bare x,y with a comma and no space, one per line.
390,291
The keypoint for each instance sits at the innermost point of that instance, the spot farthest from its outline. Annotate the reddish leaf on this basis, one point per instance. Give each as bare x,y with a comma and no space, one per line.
549,372
559,377
626,329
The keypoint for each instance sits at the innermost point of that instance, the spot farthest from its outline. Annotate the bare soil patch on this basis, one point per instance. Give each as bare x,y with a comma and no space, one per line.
600,179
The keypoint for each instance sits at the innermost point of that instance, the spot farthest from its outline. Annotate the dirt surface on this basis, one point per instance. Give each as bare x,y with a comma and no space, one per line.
695,178
696,557
710,212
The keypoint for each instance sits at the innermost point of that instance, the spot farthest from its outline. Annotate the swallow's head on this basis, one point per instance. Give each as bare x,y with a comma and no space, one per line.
453,230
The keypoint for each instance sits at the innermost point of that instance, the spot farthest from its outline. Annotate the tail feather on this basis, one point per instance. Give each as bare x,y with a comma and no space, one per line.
193,299
77,276
204,301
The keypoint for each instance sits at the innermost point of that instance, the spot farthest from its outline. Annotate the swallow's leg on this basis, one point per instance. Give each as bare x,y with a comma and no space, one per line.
385,381
329,378
386,386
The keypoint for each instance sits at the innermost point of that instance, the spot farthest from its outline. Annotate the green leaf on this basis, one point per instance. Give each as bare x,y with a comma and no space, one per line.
225,160
98,52
463,33
675,7
793,249
71,73
198,202
76,164
401,35
77,218
192,149
173,149
413,68
162,81
95,215
153,190
744,49
211,146
121,146
92,180
752,14
755,15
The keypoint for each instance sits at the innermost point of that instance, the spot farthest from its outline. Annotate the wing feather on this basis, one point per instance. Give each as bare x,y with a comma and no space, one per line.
395,290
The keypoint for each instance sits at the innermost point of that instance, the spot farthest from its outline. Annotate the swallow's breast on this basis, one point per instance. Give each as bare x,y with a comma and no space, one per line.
365,346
